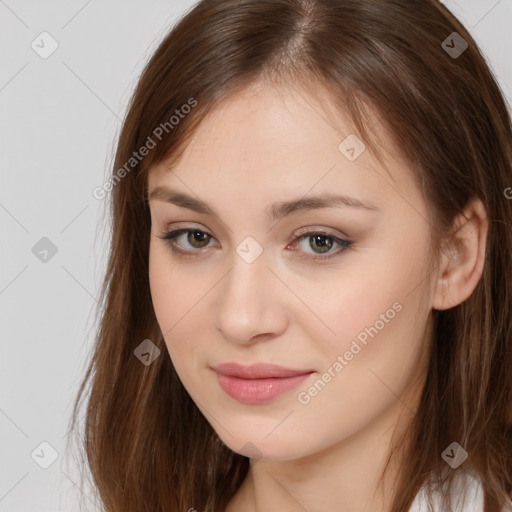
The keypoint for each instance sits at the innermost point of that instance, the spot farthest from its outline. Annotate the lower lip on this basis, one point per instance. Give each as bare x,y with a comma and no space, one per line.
258,391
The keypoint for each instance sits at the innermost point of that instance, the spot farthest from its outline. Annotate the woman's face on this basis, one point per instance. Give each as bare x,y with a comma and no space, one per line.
246,289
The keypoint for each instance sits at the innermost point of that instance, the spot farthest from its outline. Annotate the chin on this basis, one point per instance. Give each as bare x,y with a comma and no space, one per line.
259,447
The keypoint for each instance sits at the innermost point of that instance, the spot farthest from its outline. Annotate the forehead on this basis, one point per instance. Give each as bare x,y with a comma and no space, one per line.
283,138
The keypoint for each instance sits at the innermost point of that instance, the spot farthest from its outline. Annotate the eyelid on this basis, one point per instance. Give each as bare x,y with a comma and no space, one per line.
176,226
307,229
320,229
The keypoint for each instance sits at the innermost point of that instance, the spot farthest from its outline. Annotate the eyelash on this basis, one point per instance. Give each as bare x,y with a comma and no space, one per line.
169,237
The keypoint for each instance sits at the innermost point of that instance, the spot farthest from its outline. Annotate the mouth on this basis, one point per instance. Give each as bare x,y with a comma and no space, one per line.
259,383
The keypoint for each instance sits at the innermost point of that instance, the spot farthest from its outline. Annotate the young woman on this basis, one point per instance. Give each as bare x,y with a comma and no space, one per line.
307,302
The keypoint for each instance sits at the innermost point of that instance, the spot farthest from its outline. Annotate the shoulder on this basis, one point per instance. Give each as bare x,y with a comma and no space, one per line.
467,495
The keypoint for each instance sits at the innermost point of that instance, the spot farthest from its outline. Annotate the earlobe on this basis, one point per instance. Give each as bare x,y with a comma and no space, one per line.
462,258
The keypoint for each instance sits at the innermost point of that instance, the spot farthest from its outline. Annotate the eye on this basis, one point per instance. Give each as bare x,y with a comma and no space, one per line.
321,243
195,237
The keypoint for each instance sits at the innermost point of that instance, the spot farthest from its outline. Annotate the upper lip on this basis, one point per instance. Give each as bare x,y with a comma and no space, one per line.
257,371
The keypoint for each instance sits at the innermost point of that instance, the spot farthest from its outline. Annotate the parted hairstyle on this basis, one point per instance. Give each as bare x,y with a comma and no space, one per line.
146,444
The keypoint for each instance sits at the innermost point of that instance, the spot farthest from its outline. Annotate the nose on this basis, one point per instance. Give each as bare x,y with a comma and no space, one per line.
250,306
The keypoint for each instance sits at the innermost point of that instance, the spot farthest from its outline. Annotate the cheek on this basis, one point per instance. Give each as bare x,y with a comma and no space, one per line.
173,293
370,300
168,293
162,286
176,296
379,310
371,361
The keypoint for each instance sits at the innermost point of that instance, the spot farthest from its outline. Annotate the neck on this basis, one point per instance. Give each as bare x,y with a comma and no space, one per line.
342,477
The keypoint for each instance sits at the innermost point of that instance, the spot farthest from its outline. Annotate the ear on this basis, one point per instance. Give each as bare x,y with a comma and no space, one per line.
462,257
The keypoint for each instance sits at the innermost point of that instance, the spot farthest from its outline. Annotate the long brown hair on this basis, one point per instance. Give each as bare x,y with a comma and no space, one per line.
147,445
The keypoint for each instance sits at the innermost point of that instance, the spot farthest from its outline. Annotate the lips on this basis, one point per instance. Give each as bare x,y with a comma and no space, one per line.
258,371
258,383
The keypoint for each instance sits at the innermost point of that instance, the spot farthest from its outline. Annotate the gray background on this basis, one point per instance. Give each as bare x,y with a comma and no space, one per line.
59,120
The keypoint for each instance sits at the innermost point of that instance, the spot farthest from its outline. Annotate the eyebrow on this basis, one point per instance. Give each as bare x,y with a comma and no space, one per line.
274,212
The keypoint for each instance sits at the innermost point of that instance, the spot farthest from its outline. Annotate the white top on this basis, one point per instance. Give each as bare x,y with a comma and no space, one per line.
469,497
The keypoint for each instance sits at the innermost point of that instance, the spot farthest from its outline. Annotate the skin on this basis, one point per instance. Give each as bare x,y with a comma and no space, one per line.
265,145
